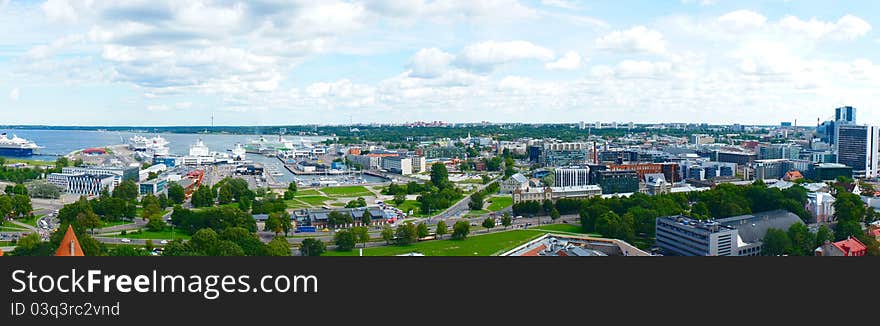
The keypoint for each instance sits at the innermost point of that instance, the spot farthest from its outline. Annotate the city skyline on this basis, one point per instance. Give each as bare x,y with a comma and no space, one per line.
331,62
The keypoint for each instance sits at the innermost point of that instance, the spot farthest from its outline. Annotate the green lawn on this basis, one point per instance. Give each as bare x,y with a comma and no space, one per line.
5,243
499,203
408,205
107,224
473,213
351,191
314,200
296,204
307,192
478,245
338,204
155,235
32,221
565,228
11,229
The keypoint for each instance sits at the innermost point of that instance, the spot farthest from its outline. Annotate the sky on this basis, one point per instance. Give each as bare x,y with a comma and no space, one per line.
277,62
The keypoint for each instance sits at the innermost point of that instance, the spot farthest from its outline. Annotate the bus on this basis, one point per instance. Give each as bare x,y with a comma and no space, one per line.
304,229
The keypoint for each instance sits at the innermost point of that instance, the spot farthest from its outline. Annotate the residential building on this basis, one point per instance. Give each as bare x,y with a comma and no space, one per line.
445,152
844,248
572,177
702,139
397,164
419,164
741,158
565,154
858,147
367,162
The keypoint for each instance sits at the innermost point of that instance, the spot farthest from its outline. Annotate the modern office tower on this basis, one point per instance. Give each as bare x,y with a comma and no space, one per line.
845,115
857,147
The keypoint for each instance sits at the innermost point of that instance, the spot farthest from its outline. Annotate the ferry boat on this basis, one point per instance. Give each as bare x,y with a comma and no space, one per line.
16,146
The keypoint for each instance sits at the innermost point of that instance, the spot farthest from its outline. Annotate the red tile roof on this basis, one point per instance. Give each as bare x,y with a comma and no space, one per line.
1,252
850,245
69,245
874,233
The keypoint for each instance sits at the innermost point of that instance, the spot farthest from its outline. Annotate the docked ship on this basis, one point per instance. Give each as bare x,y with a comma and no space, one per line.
157,146
16,146
239,153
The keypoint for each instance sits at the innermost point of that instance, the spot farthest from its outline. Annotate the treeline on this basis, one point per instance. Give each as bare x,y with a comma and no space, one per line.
626,218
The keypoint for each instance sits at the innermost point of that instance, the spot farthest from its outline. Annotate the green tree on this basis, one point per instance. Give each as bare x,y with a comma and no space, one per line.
822,235
406,234
20,189
846,229
88,220
399,198
803,242
460,230
292,187
279,247
361,234
476,202
506,220
338,219
422,230
367,217
442,229
273,223
554,214
21,205
128,251
776,243
439,176
225,195
176,193
312,247
126,190
387,234
345,240
489,223
5,206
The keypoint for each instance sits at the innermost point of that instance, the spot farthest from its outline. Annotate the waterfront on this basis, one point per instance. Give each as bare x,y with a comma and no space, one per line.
57,143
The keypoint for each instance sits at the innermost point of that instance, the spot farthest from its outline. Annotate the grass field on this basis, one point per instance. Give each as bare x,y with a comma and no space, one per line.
12,229
499,203
296,204
314,200
105,224
29,162
352,191
32,221
155,235
307,192
480,245
410,205
565,228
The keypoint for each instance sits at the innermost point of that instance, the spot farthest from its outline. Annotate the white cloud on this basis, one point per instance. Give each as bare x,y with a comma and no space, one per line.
638,39
569,61
14,94
59,11
848,27
429,63
485,56
700,2
564,4
742,20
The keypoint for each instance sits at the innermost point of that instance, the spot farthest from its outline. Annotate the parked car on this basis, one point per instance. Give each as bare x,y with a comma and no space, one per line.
125,240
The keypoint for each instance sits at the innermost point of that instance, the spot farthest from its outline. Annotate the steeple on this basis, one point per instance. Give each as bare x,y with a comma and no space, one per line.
69,245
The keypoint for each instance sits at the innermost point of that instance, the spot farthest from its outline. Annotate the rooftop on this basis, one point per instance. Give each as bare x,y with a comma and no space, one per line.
551,245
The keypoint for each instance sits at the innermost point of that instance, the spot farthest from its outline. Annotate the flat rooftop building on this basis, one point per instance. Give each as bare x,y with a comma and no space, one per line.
733,236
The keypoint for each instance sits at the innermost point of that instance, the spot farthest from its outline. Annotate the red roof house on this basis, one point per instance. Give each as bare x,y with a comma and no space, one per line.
849,247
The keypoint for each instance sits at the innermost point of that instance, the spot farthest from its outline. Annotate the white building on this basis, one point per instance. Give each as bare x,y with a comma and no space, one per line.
157,169
821,206
572,177
419,164
399,165
514,183
82,184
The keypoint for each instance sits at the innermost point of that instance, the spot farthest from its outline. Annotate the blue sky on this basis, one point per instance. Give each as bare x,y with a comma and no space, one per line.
269,62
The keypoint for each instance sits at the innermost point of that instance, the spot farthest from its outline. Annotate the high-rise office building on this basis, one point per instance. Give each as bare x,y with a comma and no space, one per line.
858,147
845,115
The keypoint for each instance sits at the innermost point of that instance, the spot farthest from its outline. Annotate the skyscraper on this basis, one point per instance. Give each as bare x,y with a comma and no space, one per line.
857,147
845,115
